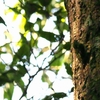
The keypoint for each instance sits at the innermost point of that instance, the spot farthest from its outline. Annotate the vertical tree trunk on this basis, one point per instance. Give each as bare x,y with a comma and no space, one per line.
84,21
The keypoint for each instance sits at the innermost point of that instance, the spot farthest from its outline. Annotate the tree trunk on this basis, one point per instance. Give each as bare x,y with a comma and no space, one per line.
84,22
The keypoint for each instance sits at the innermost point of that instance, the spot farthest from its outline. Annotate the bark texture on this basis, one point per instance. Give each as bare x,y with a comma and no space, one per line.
84,21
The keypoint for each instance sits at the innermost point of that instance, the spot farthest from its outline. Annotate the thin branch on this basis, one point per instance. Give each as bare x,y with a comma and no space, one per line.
20,60
54,60
31,50
53,50
3,61
32,98
30,80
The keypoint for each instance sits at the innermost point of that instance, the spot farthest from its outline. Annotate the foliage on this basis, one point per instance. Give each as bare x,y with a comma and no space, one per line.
26,51
56,96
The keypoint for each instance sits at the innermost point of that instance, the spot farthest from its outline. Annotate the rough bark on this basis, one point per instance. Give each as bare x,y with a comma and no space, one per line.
84,22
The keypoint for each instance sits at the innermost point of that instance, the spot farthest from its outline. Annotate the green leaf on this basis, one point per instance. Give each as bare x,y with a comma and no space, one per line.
2,67
8,48
18,77
24,50
21,70
11,75
57,61
8,91
56,96
61,13
65,26
45,13
67,46
50,36
7,76
2,21
68,69
72,89
15,9
15,60
30,8
20,83
3,79
59,95
57,13
29,26
45,78
47,98
45,2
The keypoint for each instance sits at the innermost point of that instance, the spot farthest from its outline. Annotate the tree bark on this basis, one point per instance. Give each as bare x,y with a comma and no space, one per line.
84,22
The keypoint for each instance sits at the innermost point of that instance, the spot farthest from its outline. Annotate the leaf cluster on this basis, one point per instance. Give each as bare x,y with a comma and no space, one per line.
26,52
